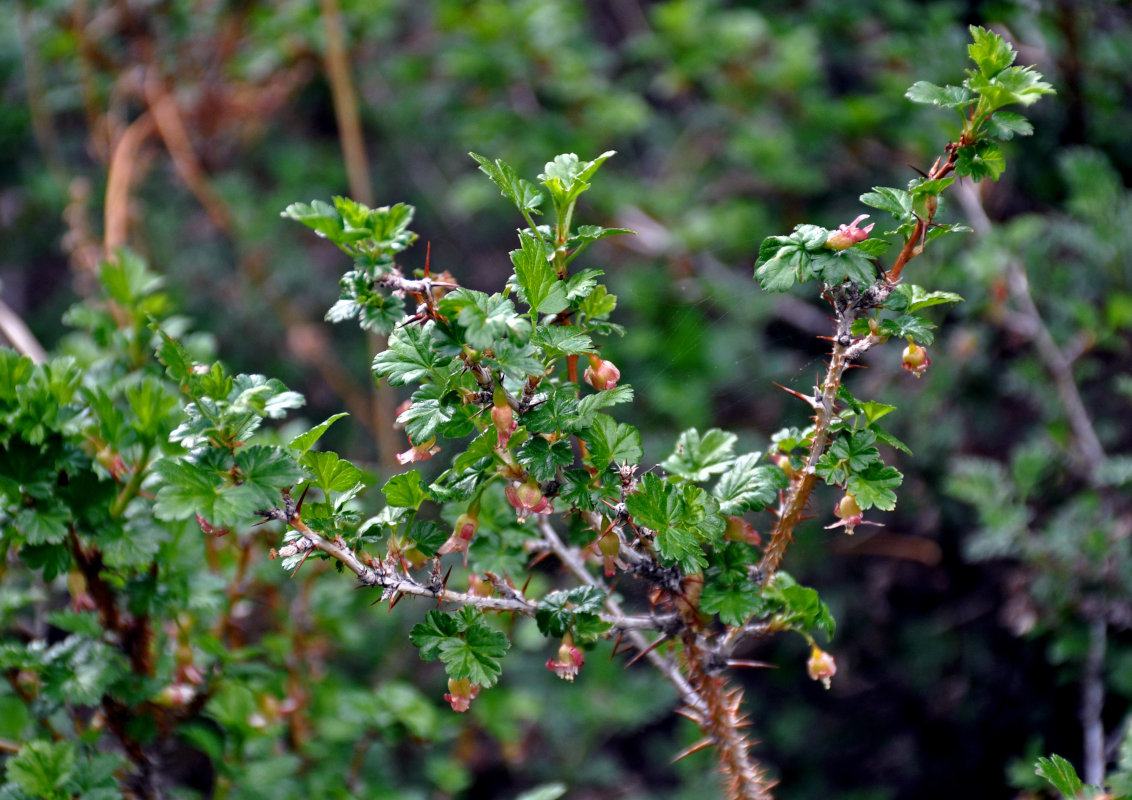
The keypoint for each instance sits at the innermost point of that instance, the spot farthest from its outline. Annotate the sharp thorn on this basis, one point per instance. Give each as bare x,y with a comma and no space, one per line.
736,662
656,643
687,751
616,646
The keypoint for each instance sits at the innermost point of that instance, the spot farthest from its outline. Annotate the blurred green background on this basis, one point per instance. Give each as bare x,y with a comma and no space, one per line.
963,623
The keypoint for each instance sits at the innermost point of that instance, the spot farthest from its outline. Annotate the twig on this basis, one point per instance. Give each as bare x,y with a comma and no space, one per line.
19,335
1092,703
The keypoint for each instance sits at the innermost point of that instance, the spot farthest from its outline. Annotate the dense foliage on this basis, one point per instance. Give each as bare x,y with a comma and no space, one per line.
186,648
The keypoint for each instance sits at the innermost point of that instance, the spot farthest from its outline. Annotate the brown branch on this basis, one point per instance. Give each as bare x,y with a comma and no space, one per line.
19,335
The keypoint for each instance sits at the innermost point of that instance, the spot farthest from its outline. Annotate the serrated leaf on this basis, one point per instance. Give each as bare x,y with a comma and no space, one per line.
41,768
267,470
189,489
517,362
475,656
582,283
427,536
558,612
331,473
785,260
305,441
800,607
485,318
697,458
405,490
851,264
910,325
423,418
430,634
543,458
872,487
943,96
610,442
411,356
1061,774
989,51
524,194
319,216
562,340
1005,125
895,201
911,297
605,399
598,303
981,160
541,288
748,486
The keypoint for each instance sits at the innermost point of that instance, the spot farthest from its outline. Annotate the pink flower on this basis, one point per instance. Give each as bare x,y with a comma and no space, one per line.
850,515
848,235
418,452
527,498
821,666
504,419
569,661
601,374
466,526
915,359
461,693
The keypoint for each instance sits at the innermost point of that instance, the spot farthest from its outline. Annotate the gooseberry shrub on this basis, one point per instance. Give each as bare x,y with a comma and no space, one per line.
116,459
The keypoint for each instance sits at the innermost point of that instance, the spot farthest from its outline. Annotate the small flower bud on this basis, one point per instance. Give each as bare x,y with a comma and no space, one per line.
916,359
461,693
848,235
601,374
504,419
527,498
569,662
739,530
609,545
418,452
821,666
782,461
462,534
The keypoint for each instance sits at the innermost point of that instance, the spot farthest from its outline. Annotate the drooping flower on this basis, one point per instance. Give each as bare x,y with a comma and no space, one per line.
849,512
462,534
915,359
821,666
848,235
418,452
461,693
503,417
569,662
601,374
527,498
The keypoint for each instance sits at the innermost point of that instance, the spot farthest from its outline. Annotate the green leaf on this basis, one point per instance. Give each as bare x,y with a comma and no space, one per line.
580,284
598,303
558,612
989,51
15,371
943,96
515,361
895,201
559,412
800,607
430,634
411,356
44,523
485,318
427,536
851,264
1005,125
319,216
189,489
267,470
543,459
476,655
524,194
331,473
41,768
909,297
684,518
541,288
592,403
1061,774
909,325
567,176
696,459
872,486
266,397
847,455
611,442
562,340
405,490
305,441
423,418
785,260
748,486
981,160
